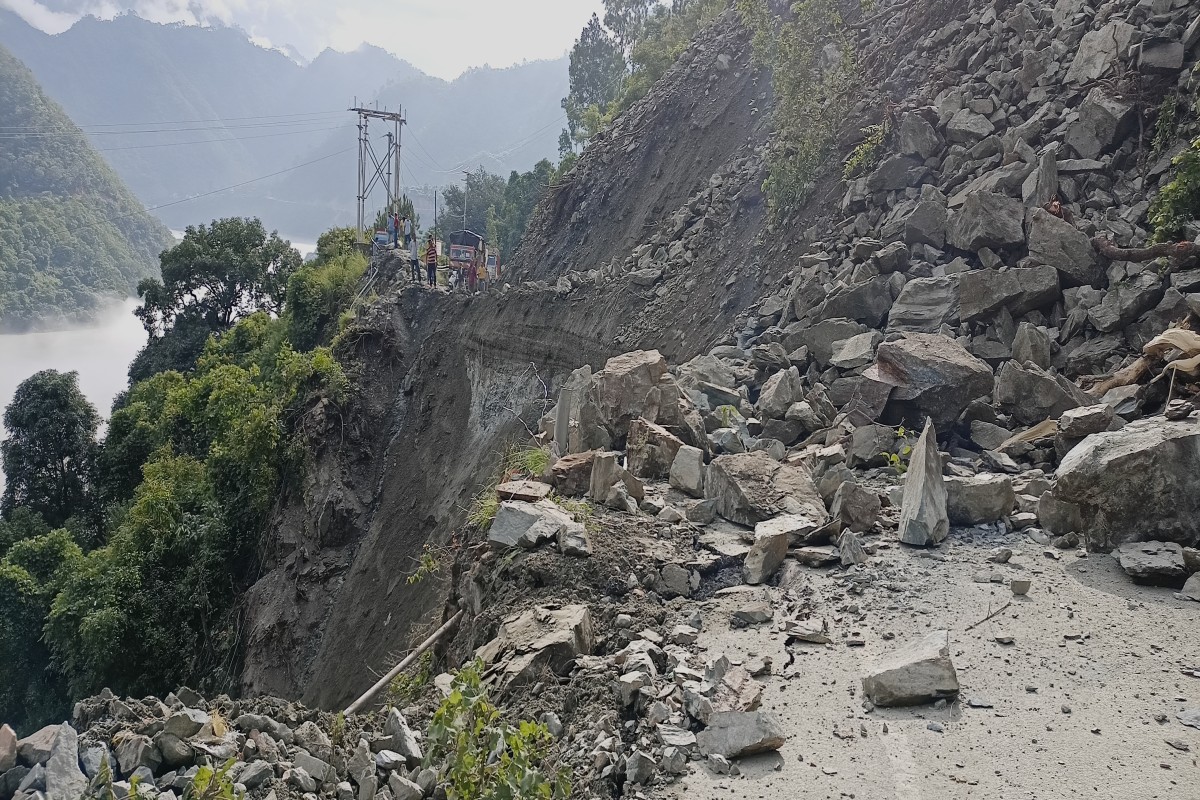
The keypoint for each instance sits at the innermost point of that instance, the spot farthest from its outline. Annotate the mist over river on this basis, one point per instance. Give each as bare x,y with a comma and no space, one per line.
100,353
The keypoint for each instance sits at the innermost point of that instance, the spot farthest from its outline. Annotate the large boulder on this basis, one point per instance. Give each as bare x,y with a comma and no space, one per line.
916,137
867,302
925,305
821,337
980,498
1104,122
8,748
627,388
927,224
1139,483
706,369
983,292
988,219
1124,302
748,488
64,779
1099,52
766,554
779,392
1059,244
651,449
1032,395
35,748
1157,563
687,471
539,639
527,525
924,519
920,672
733,734
933,377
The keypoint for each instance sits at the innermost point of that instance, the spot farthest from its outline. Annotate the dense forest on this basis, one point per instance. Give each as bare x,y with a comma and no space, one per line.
123,559
72,237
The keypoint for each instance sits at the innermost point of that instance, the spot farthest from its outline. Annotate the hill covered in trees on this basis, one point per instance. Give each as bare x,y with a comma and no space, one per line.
72,236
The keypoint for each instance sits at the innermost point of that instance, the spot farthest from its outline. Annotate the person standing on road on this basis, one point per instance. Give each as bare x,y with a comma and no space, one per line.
431,261
408,232
414,260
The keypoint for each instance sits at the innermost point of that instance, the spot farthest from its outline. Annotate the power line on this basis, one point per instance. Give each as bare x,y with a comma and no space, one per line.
68,133
214,141
185,121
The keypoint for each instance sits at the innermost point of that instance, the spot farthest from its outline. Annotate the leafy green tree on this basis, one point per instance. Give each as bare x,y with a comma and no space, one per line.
336,242
50,448
218,274
318,293
482,190
627,19
19,525
596,68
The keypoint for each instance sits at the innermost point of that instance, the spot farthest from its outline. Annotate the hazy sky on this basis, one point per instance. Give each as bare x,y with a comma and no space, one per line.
441,37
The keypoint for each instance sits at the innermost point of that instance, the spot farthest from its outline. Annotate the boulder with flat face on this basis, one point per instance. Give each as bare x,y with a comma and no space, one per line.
748,488
651,449
988,219
733,734
979,499
627,388
983,292
538,639
1157,563
1059,244
1136,484
918,673
1032,395
925,305
933,377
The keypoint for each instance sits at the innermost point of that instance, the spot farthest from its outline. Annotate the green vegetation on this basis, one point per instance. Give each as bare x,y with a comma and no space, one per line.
211,783
72,237
613,65
123,561
410,686
497,209
1178,202
864,157
481,756
812,57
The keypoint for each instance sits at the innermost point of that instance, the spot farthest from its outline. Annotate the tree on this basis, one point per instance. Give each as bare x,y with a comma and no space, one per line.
50,448
218,274
627,19
482,189
596,69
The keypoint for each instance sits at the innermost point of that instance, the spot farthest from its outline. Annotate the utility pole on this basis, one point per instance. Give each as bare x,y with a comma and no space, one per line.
384,170
465,185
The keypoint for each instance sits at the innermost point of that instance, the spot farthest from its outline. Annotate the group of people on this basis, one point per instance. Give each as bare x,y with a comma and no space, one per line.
398,226
469,276
430,257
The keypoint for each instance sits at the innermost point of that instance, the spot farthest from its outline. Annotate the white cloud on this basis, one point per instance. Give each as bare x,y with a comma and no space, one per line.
441,37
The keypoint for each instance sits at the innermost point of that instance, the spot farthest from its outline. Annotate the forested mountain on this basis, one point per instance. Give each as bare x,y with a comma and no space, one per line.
71,234
273,113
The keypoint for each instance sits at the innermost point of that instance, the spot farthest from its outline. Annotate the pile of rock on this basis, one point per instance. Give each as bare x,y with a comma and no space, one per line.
277,749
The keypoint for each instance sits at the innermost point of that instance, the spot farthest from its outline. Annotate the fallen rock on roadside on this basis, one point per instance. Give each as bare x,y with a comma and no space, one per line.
920,672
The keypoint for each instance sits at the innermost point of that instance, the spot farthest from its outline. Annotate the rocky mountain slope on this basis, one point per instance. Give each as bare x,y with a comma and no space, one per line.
888,514
72,237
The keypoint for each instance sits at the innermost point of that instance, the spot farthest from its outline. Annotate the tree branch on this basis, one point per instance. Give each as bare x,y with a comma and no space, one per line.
1178,252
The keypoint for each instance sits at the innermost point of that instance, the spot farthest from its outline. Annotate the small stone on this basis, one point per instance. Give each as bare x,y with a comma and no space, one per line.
936,727
1004,637
1020,586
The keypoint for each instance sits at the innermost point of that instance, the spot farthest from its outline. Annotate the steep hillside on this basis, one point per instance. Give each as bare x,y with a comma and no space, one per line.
72,237
243,112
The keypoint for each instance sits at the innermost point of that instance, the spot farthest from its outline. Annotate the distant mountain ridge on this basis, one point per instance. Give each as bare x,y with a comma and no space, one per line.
72,236
274,113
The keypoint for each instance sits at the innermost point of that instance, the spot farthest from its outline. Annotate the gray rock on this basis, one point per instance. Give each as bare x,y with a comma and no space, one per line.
987,435
64,779
867,302
639,768
186,722
857,351
894,257
1191,588
918,673
404,789
1032,395
1059,244
645,277
927,224
924,518
855,508
34,781
1099,51
687,471
320,770
91,759
983,292
527,524
11,780
404,741
750,488
733,734
134,750
255,774
1031,344
1125,301
1077,423
988,219
766,554
314,740
820,338
979,499
258,722
389,760
175,752
967,127
8,748
925,305
1160,54
1104,122
574,540
1141,482
933,376
650,449
779,392
916,137
35,748
1158,563
753,614
1042,184
300,780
